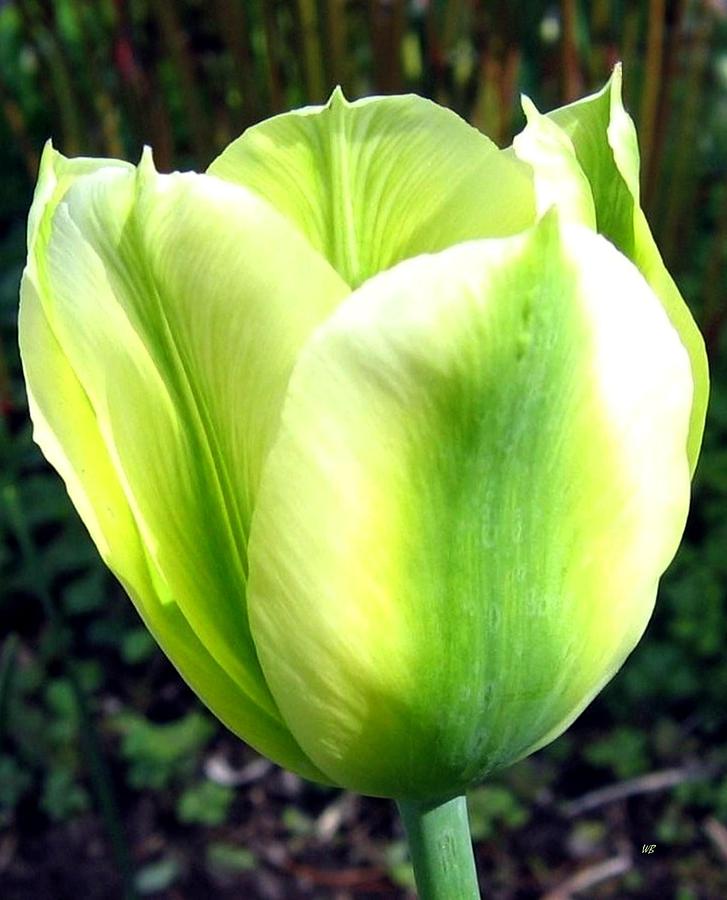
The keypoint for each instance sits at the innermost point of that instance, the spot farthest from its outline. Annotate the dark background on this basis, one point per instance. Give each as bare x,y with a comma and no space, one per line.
108,764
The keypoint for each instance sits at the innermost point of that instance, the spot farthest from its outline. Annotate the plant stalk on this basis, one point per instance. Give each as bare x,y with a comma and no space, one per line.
441,849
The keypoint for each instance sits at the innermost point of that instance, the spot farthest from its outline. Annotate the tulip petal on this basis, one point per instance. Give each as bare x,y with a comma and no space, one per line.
168,299
479,478
66,429
376,181
605,143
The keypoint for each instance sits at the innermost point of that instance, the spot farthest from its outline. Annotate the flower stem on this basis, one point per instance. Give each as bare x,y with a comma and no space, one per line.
441,849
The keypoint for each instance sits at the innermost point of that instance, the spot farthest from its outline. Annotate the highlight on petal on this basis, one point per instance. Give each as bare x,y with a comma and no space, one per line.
162,306
479,478
375,181
605,143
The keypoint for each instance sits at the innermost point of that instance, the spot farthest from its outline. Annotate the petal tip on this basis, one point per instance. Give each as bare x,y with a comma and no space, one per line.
337,98
528,107
146,161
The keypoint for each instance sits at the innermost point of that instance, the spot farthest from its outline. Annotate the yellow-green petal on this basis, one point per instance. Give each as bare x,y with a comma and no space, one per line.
480,476
65,427
167,296
373,182
605,143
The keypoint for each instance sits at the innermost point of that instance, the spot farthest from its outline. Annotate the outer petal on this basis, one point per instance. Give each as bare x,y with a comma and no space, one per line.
131,271
479,478
376,181
605,143
66,428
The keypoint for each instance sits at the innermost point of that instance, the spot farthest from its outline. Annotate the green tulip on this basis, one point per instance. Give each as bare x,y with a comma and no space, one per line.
387,433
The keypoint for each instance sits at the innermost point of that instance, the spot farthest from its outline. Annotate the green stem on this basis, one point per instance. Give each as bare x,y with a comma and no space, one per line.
441,849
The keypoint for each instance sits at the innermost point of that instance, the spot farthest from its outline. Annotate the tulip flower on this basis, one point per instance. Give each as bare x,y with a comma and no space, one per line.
387,433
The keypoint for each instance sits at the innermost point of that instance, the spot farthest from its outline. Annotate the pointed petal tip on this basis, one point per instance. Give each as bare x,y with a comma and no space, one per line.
615,82
146,176
337,98
48,156
146,161
528,107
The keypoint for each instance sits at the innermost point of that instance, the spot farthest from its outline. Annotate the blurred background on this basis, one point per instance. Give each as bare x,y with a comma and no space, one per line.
114,781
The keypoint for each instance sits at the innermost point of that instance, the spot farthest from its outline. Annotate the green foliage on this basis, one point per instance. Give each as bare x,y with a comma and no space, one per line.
7,673
623,750
494,808
297,822
708,796
158,755
15,781
43,730
62,796
137,646
86,594
205,803
685,892
674,827
227,859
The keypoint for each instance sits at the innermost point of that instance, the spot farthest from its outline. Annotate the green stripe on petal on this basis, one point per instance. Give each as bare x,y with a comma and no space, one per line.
479,478
376,181
605,143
